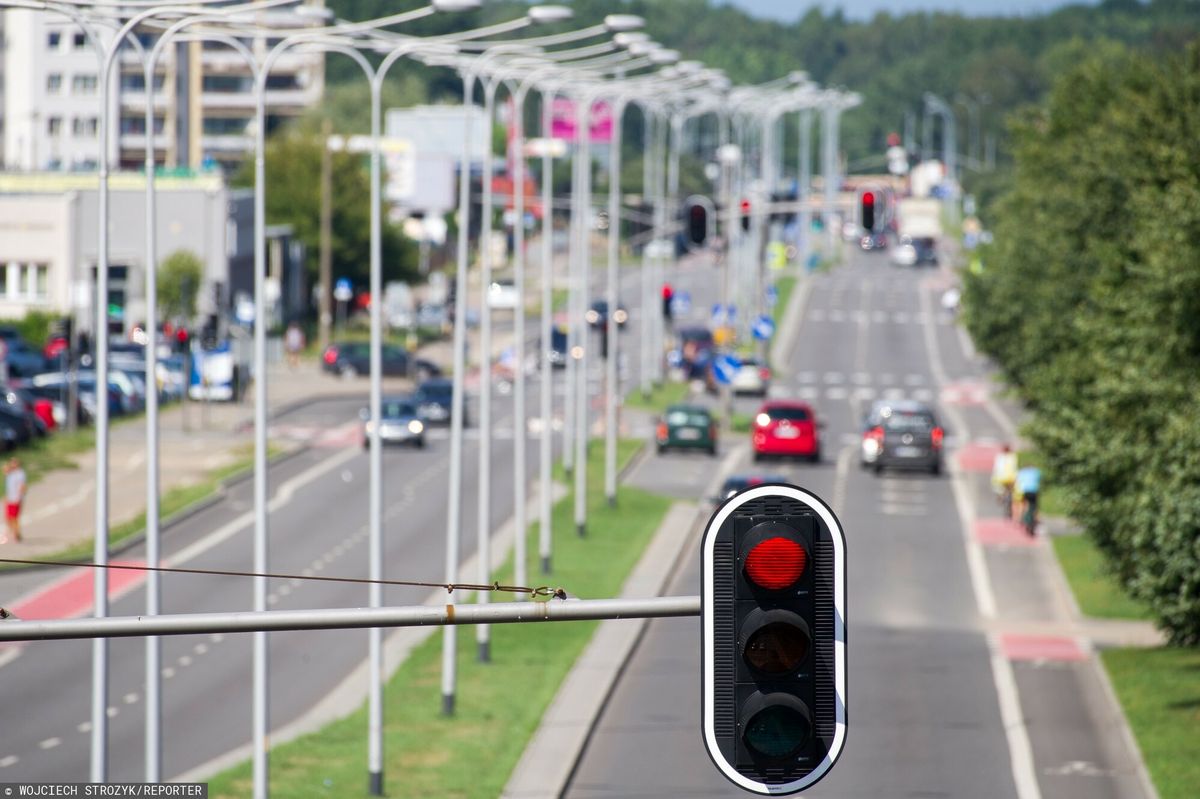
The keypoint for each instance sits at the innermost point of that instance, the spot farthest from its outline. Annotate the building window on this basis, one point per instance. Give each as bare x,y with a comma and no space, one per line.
225,126
85,127
27,282
53,82
53,126
80,40
137,125
83,84
52,40
281,82
136,82
227,84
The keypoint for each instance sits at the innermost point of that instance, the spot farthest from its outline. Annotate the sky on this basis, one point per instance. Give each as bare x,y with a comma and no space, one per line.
790,10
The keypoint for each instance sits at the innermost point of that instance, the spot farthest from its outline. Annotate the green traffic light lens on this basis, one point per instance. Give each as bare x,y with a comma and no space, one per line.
777,648
777,732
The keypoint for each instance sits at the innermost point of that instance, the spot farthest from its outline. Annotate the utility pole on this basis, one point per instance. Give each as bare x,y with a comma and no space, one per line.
325,277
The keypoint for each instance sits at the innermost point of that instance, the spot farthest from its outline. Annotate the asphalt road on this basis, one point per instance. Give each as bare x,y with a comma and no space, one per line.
955,687
318,525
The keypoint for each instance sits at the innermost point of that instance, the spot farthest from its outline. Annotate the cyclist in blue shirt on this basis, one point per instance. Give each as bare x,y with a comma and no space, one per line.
1029,480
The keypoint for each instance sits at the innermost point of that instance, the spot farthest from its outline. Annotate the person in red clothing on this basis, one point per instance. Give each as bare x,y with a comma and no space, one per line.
14,494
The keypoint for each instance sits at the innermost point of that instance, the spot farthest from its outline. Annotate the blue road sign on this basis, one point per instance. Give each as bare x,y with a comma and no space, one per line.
763,328
725,367
772,295
681,303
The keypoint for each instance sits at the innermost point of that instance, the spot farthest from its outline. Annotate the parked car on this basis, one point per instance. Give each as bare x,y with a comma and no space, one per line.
686,427
400,423
901,434
874,241
434,401
353,359
17,399
786,428
597,315
502,295
926,248
56,382
10,435
23,359
752,377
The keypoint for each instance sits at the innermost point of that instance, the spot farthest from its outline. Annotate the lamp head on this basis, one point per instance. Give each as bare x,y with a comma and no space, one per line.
624,22
455,5
545,15
666,57
631,37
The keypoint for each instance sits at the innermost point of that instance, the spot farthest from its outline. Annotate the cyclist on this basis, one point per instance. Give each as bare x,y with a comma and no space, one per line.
1004,474
1029,480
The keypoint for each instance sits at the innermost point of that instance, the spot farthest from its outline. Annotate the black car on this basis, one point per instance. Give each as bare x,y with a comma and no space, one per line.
597,315
902,434
926,251
23,359
353,359
558,348
434,401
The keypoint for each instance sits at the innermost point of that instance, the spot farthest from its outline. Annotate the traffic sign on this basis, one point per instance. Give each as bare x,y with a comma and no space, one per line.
342,292
763,328
681,303
725,367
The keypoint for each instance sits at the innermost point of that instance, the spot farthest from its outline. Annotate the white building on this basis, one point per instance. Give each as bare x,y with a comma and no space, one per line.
204,96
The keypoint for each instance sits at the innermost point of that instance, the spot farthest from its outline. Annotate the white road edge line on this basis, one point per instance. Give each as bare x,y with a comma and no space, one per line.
1019,748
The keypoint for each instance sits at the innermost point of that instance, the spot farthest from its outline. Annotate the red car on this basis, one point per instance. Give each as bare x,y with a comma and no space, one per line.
786,427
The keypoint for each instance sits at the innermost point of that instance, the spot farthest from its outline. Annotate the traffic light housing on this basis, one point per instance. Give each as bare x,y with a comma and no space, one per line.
698,223
745,212
774,639
867,201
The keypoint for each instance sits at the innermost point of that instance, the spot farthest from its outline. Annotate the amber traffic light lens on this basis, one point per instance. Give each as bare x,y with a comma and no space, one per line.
777,648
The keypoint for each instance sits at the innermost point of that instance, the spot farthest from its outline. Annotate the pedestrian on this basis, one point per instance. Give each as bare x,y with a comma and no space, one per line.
294,342
14,493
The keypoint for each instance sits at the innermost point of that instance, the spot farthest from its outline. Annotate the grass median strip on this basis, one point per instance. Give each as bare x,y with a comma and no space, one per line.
662,396
1098,594
500,703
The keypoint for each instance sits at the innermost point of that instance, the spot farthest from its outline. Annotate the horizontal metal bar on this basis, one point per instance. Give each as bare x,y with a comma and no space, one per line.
13,629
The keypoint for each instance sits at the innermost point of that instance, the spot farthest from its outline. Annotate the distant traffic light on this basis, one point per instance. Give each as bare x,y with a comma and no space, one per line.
867,203
699,220
774,639
745,209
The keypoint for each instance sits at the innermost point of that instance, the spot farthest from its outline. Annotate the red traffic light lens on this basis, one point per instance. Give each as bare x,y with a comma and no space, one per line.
776,563
868,198
745,206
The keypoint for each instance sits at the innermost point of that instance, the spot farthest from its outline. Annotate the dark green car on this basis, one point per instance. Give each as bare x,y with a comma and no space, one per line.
687,427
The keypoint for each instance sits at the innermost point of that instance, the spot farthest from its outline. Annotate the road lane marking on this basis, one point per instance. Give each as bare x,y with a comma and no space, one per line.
49,743
11,760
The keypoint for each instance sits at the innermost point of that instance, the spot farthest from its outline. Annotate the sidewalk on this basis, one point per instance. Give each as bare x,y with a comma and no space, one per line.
195,440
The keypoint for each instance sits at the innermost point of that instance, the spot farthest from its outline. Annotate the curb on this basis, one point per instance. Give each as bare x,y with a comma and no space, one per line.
552,755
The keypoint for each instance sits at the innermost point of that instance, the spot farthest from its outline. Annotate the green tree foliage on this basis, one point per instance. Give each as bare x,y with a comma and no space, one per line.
293,179
1090,300
179,277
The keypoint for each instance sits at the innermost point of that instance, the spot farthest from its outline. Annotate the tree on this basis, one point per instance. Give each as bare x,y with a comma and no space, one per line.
179,278
293,172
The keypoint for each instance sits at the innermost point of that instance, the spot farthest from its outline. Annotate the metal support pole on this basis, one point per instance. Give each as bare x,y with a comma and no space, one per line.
829,173
804,186
520,428
573,313
660,214
545,537
484,509
375,506
457,400
584,130
613,396
650,308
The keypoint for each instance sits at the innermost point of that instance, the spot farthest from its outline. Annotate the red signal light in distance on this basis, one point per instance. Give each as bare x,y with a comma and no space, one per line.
868,198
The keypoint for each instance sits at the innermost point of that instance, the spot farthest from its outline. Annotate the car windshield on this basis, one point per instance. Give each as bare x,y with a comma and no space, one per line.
790,414
681,417
395,410
436,391
908,422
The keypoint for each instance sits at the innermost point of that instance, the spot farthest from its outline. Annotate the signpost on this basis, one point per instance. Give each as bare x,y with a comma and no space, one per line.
763,328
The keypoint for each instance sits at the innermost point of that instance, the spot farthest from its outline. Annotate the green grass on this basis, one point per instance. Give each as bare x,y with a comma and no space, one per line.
660,398
499,704
1097,593
740,422
784,286
56,451
1159,690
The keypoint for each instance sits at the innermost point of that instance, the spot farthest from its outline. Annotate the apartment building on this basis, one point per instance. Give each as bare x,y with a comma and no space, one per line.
204,96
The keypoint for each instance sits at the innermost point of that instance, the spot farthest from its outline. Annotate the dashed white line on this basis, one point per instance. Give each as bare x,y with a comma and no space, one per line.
49,743
184,660
11,760
168,673
84,726
200,649
113,712
131,699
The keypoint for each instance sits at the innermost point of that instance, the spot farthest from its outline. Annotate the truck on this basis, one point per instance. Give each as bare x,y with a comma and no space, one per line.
919,223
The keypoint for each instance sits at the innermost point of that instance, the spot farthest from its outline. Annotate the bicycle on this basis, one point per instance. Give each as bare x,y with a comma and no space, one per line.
1029,518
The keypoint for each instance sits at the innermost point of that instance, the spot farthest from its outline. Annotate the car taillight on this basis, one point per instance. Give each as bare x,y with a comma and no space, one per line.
764,373
330,355
936,437
876,434
661,431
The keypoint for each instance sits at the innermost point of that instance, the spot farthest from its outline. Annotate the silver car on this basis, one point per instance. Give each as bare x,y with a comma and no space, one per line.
401,423
901,434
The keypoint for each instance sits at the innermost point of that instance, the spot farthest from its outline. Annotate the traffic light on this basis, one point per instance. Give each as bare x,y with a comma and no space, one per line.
773,613
867,203
745,209
699,216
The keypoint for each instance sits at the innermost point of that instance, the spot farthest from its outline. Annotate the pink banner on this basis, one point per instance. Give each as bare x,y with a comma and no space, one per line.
563,123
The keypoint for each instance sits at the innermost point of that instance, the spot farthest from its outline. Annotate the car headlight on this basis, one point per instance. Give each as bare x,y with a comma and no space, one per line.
592,317
415,426
620,316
